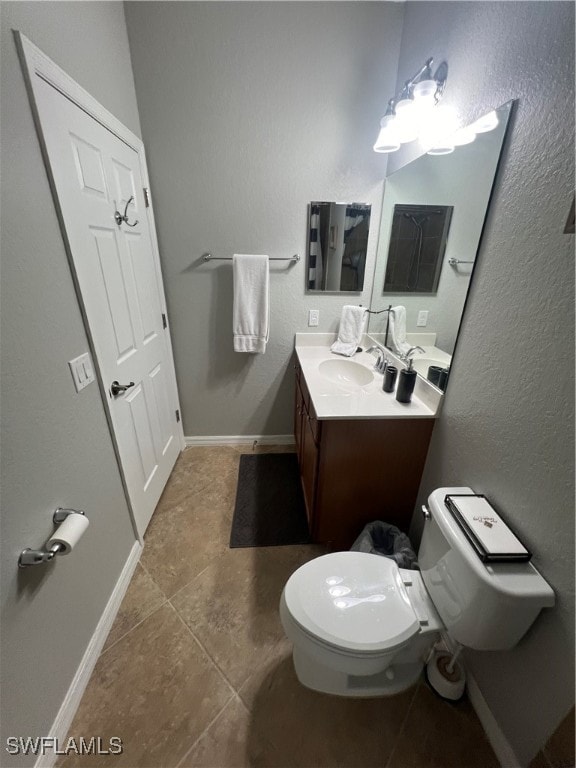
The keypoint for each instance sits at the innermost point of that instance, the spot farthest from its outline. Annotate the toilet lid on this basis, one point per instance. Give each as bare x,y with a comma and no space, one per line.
352,600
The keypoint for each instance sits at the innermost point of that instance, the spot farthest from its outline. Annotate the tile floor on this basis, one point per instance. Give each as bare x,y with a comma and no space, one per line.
196,671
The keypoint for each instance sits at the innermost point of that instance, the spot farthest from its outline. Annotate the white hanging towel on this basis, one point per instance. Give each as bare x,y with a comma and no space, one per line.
350,331
397,328
251,312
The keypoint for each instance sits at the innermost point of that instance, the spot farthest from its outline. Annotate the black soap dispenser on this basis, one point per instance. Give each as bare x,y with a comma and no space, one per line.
406,383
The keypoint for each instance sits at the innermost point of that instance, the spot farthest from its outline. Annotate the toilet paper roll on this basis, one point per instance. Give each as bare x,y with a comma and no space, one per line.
69,533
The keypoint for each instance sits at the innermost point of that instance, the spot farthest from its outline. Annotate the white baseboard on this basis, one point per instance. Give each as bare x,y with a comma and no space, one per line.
66,713
499,742
240,440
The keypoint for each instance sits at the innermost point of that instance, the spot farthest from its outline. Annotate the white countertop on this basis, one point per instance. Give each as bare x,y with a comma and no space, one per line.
333,400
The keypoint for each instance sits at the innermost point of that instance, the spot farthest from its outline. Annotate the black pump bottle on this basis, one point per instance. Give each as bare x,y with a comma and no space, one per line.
406,383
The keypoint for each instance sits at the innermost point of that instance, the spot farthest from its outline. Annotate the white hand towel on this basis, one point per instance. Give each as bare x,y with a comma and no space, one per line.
350,331
397,328
251,313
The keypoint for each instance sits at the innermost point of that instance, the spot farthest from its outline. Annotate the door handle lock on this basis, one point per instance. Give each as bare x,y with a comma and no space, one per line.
118,389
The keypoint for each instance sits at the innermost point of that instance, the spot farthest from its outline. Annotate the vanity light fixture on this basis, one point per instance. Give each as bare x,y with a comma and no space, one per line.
409,111
414,114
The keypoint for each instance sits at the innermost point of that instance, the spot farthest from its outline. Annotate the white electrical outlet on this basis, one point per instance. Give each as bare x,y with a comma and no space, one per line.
422,321
313,317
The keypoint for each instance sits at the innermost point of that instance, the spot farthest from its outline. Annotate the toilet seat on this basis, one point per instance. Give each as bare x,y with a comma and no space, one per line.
353,602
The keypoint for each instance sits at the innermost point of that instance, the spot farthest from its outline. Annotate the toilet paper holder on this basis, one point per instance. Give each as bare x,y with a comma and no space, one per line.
30,556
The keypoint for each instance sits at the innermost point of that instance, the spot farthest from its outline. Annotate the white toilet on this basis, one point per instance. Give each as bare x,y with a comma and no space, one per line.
361,626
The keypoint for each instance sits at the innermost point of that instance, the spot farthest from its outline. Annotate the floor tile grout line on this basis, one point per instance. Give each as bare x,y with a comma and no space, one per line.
238,699
271,657
261,734
548,761
222,675
205,731
209,483
205,650
142,620
403,724
192,580
152,579
184,499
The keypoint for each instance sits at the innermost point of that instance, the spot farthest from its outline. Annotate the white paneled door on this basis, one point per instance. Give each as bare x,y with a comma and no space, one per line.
100,193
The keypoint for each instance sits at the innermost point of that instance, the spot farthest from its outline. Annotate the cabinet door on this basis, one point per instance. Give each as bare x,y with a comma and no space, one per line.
299,414
308,467
369,469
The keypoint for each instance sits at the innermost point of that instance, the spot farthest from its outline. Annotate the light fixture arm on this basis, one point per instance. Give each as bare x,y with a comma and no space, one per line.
425,72
426,68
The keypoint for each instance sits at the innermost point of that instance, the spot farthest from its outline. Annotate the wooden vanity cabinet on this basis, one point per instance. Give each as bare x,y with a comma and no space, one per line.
306,433
354,471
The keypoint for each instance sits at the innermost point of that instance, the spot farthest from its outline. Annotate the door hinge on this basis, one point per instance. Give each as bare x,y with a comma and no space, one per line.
164,321
147,197
177,415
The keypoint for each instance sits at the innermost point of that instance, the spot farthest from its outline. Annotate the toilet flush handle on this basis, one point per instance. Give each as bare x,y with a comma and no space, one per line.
426,512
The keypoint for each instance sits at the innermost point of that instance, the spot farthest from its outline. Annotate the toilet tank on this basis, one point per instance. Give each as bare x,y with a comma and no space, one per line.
486,606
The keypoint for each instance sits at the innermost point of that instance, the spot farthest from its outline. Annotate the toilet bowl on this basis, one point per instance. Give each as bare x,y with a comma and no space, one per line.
362,626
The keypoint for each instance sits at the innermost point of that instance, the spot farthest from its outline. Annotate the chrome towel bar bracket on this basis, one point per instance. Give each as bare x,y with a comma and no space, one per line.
454,262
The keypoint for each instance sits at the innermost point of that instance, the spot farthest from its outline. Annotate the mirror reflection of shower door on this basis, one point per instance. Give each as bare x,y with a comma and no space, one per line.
417,245
337,246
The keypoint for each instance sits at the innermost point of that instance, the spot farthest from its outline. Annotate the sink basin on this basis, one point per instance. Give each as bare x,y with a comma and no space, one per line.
346,372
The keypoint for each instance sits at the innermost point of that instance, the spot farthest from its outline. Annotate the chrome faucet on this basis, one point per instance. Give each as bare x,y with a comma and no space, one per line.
411,351
381,361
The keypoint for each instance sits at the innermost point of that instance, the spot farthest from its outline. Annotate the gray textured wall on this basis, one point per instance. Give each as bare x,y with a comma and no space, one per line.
507,427
56,447
249,111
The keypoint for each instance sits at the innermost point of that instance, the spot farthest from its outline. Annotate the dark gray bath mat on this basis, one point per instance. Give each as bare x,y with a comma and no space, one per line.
269,507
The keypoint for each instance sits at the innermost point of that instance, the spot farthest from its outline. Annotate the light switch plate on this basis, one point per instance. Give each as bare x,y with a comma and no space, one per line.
422,321
82,371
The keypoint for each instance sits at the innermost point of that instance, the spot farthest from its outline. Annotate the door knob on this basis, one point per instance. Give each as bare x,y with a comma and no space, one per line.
118,389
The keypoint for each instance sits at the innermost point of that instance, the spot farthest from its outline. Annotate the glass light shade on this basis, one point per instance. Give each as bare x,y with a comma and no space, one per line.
387,121
486,123
405,107
442,149
407,128
387,140
463,136
425,90
440,123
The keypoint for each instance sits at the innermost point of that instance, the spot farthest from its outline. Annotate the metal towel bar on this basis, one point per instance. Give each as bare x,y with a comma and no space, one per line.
209,257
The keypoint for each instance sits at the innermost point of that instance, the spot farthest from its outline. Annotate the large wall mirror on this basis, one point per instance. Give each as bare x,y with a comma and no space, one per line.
337,246
433,212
